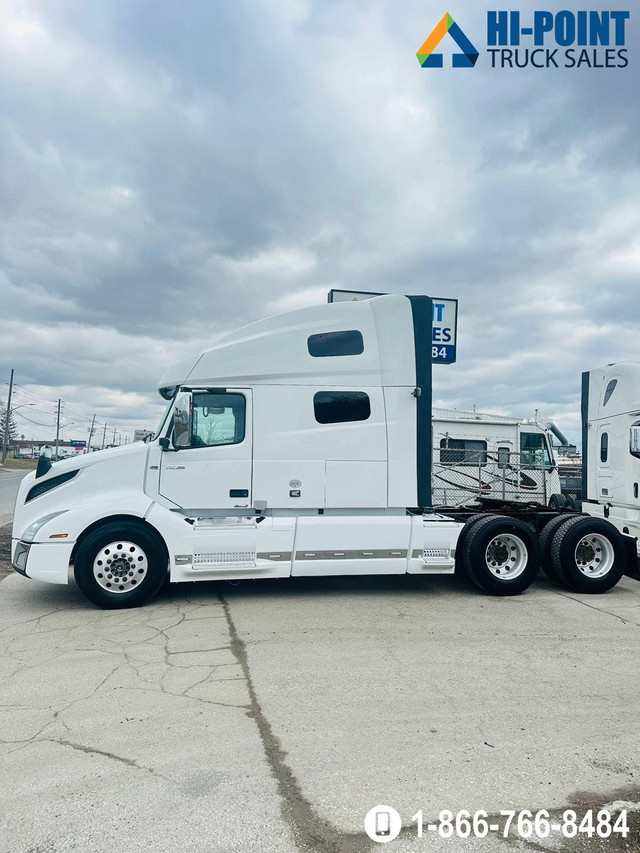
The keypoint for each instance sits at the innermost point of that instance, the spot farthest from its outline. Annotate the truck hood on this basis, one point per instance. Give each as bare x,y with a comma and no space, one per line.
84,460
125,467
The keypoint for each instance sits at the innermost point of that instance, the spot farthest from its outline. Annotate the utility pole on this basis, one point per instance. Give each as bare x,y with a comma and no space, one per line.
7,421
57,430
104,435
114,437
93,423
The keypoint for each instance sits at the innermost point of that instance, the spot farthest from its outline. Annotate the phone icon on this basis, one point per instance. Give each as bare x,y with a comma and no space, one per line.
383,823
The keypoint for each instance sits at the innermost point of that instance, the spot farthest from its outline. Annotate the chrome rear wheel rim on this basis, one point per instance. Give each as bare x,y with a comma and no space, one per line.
594,555
506,556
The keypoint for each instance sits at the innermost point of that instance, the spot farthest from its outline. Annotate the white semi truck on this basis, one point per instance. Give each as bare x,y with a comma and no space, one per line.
611,445
297,445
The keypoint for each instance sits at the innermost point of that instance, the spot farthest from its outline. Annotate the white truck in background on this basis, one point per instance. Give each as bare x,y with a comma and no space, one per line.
298,445
611,445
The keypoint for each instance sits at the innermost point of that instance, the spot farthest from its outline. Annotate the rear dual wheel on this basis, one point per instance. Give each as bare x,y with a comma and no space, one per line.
546,537
501,555
587,554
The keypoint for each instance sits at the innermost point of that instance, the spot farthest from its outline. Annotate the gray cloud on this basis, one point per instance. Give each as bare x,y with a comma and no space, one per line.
171,171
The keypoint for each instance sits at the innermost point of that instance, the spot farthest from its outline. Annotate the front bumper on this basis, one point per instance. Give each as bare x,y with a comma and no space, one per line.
42,561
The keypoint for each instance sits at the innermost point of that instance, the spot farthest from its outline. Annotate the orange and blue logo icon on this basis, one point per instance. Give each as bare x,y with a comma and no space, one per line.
465,59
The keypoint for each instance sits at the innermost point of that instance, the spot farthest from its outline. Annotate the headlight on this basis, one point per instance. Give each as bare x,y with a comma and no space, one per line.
30,533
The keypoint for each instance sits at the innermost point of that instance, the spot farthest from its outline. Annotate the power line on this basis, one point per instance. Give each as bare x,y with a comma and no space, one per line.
36,423
30,393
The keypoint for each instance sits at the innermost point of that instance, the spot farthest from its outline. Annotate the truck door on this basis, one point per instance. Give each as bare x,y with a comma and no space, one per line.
215,472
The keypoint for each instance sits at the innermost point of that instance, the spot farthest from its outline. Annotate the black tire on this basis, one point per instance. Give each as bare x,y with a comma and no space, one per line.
469,524
571,502
140,550
545,538
502,534
557,501
600,543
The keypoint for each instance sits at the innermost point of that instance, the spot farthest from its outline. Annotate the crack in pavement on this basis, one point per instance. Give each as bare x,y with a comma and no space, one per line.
92,750
597,609
311,832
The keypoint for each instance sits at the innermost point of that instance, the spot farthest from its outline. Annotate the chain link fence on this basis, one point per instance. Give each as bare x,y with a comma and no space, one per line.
570,479
462,475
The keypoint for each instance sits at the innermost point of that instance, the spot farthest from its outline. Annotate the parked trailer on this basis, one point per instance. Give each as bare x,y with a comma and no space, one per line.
300,445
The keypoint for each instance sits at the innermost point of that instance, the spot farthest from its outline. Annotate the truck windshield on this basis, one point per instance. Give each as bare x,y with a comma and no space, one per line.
534,452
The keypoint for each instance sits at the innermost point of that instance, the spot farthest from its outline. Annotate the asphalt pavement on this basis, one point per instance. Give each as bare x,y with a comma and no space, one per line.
9,484
272,716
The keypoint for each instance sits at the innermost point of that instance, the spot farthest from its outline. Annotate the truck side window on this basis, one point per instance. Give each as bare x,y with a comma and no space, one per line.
218,419
335,343
335,407
463,451
604,446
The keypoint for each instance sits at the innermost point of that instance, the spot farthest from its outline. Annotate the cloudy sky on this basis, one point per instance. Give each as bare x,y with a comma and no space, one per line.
171,170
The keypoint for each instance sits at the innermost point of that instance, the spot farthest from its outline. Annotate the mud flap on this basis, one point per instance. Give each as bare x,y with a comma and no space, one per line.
633,565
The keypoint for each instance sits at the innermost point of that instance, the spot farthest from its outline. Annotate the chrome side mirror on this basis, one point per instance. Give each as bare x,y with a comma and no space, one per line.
634,440
182,419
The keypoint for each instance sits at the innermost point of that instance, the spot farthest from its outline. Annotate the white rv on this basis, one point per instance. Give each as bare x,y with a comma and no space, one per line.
298,445
491,456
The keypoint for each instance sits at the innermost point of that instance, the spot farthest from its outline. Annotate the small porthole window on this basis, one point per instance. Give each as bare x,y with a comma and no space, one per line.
329,344
604,446
611,387
334,407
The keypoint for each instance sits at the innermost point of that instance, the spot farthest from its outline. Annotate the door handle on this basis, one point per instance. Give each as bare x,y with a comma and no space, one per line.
635,490
238,493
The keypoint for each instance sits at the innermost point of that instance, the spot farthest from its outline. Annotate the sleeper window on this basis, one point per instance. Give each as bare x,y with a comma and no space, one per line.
333,407
611,387
218,419
335,343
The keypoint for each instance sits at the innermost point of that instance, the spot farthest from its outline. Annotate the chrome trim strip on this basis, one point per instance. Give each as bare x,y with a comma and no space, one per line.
275,556
377,554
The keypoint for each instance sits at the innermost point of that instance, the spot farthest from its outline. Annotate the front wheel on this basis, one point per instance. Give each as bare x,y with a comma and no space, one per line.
501,555
588,554
119,565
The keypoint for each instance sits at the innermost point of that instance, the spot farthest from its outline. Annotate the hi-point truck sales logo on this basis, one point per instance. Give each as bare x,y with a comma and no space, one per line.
542,39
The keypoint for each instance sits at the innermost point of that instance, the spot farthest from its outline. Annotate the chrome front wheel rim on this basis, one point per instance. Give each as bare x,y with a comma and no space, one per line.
594,555
506,556
120,566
